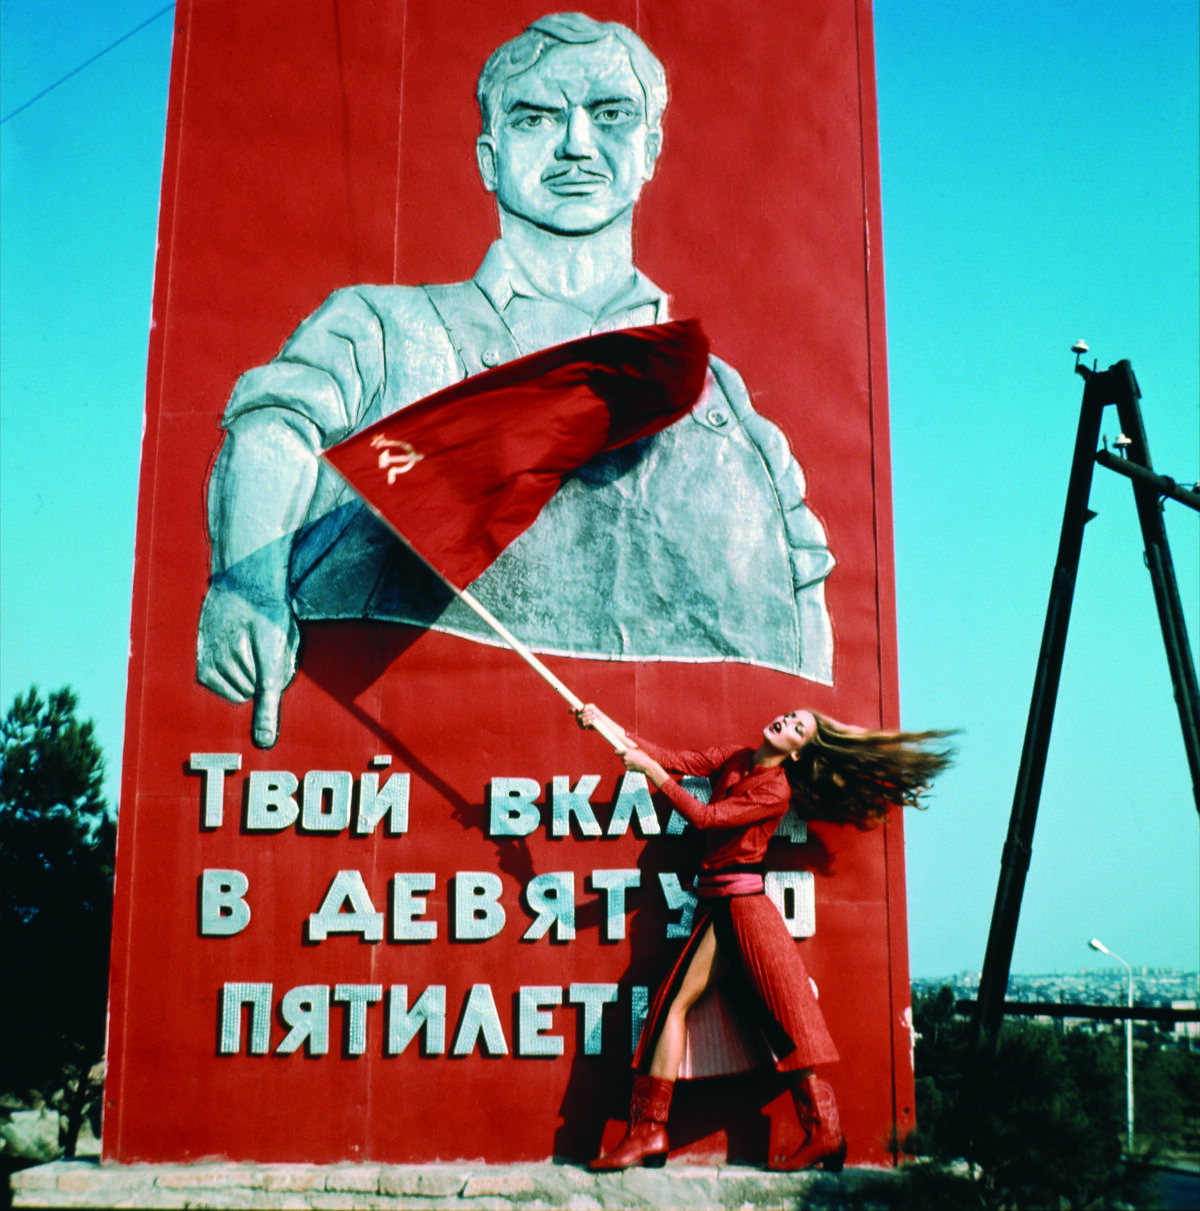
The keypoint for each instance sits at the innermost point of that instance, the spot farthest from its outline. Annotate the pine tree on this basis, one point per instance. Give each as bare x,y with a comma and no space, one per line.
57,840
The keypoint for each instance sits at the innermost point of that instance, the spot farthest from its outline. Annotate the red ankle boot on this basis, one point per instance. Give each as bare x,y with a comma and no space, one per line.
646,1140
816,1108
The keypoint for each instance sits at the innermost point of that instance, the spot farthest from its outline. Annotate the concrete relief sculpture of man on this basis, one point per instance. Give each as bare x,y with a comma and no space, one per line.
695,544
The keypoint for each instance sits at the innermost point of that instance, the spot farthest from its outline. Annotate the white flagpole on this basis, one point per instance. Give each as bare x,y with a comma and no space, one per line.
619,744
530,659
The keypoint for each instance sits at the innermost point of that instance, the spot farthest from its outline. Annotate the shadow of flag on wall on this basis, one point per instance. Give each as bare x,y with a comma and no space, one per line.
460,474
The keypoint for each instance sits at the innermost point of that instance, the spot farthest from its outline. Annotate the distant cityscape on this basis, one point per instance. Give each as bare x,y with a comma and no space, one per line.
1092,986
1153,987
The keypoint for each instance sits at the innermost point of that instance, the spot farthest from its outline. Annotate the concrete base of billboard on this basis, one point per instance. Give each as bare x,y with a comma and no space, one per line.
469,1186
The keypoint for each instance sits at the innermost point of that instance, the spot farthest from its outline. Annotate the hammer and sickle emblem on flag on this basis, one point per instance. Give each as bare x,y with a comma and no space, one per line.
395,464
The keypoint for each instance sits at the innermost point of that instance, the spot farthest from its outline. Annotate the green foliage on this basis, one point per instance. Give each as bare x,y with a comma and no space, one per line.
932,1186
1167,1090
57,840
940,1058
1038,1141
1182,1069
1050,1130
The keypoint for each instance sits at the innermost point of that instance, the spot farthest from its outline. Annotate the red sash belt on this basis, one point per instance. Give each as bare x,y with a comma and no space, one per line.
718,884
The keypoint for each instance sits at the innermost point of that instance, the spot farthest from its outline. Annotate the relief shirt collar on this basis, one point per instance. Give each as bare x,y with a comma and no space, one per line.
502,280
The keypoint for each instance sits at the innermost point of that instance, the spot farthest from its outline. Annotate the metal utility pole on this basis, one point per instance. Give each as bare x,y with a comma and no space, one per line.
1096,944
1116,385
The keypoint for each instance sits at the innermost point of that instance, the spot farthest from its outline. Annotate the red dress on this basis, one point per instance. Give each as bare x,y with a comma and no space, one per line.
768,990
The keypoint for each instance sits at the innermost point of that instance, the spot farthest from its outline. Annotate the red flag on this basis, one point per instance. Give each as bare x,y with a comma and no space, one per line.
462,473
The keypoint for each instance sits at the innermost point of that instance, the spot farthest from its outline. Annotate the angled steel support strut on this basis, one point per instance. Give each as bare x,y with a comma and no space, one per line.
1099,390
1147,489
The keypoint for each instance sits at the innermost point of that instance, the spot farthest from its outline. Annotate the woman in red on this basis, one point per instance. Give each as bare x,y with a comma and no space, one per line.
830,772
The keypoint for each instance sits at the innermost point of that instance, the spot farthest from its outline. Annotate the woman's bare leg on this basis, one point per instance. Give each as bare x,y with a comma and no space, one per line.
645,1141
708,965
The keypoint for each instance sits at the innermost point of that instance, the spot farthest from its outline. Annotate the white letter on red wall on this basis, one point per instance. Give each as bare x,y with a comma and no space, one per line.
478,914
223,911
362,918
480,1017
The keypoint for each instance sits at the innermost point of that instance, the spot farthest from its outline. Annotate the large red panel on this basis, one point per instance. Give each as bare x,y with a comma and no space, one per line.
320,145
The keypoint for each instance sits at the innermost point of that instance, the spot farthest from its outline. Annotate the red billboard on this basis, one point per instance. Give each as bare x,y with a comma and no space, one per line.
378,896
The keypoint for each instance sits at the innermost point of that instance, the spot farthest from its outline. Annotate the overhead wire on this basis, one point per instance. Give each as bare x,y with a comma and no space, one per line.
86,63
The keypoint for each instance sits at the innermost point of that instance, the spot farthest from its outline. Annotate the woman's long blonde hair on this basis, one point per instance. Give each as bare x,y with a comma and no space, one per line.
853,776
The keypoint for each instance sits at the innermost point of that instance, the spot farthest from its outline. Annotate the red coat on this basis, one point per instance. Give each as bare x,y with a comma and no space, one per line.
767,998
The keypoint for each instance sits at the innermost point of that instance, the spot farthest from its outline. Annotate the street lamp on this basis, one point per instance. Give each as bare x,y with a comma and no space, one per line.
1096,944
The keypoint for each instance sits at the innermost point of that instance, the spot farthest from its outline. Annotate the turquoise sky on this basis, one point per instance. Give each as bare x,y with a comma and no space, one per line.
1039,185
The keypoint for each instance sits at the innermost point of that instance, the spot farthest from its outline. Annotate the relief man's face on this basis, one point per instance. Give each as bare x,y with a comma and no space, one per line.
570,150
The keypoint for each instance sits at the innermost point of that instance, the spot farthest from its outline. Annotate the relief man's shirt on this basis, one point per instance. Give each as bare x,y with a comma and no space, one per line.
693,544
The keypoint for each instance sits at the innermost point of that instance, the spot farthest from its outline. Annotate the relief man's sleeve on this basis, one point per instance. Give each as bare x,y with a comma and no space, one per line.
278,420
808,547
328,373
